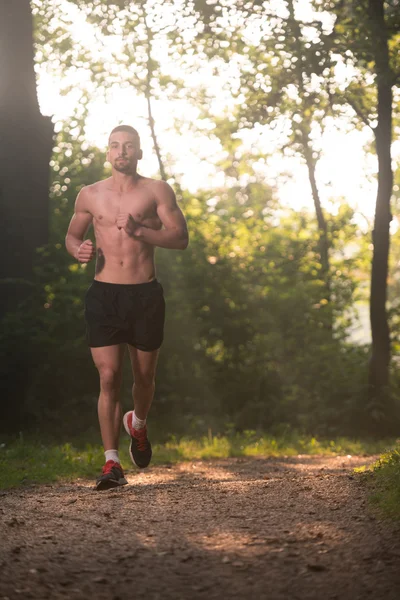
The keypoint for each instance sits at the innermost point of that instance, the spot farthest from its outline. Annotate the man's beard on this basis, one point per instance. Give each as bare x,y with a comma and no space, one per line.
124,167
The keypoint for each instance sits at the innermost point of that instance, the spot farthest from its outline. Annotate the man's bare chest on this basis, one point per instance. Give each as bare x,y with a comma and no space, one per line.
107,206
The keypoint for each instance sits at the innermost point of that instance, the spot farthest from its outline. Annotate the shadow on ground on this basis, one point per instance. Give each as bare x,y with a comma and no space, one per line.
293,528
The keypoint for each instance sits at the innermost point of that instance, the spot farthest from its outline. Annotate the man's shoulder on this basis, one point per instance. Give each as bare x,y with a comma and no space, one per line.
157,186
149,181
98,186
93,188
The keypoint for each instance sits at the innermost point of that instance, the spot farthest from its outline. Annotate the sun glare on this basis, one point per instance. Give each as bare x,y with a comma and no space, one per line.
190,149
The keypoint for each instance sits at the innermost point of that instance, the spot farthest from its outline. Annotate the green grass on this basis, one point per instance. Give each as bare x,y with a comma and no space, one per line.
24,462
384,479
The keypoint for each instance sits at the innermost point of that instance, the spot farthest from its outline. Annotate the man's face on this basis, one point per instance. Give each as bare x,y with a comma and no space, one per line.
124,151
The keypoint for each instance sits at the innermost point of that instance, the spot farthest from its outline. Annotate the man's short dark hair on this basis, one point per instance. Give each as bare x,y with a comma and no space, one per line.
126,128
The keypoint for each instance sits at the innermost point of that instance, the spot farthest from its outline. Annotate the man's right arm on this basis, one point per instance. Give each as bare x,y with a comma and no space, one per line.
83,251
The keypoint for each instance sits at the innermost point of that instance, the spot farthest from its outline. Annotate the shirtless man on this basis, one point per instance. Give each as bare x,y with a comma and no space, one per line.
131,214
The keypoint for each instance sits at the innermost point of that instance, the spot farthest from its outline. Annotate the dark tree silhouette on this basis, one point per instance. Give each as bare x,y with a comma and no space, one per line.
25,149
368,29
379,364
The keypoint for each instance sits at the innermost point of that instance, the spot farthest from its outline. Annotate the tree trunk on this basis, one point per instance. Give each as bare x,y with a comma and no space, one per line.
307,150
149,75
322,226
25,150
380,358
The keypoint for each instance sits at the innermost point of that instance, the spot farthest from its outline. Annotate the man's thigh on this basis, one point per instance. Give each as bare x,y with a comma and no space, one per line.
111,357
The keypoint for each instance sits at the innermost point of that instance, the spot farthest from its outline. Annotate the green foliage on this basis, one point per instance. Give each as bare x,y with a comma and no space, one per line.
358,40
384,479
44,338
248,335
252,336
26,463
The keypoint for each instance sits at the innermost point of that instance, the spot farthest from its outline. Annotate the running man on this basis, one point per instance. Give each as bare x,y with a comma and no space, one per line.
131,214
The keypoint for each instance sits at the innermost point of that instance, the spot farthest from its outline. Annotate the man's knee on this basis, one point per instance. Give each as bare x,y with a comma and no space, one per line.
109,377
144,380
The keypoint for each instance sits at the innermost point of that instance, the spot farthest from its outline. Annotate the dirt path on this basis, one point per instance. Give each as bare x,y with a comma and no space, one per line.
284,529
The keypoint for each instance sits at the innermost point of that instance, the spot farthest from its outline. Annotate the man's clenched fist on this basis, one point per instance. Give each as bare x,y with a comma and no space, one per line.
85,252
127,222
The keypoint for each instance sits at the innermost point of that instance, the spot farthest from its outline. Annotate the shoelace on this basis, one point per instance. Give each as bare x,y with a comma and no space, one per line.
109,465
141,437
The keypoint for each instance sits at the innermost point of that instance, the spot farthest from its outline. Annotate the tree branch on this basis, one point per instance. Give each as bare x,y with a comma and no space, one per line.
148,98
359,112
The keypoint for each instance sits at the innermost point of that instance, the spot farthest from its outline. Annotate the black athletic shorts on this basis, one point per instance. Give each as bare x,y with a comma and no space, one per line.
117,313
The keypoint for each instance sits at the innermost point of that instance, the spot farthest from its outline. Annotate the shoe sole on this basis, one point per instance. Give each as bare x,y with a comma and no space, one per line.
126,426
125,422
110,484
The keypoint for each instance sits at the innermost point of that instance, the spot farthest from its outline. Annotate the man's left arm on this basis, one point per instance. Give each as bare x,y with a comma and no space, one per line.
174,234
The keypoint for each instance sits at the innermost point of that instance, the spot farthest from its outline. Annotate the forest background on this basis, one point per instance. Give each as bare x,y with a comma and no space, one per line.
275,123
